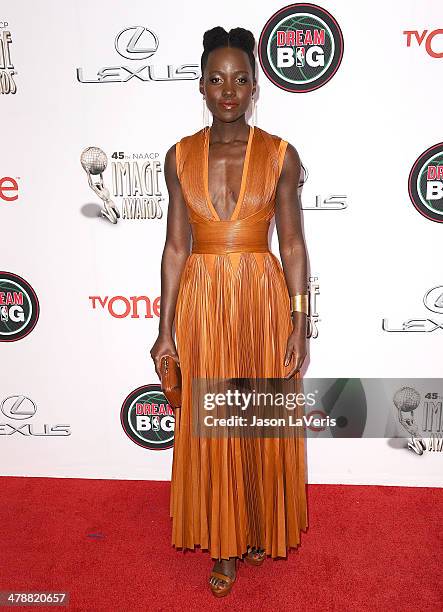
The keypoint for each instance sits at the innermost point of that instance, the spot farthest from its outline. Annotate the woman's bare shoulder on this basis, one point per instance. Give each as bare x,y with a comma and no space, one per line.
188,137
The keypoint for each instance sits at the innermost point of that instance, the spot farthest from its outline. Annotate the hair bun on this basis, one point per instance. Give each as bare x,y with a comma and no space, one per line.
237,37
244,38
213,38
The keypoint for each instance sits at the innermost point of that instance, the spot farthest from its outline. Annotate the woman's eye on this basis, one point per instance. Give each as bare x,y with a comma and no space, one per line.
242,80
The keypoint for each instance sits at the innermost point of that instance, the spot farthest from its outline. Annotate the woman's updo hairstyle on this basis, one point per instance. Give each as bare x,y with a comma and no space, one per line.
236,37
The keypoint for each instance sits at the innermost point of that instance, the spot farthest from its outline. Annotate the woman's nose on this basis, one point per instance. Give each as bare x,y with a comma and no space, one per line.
228,90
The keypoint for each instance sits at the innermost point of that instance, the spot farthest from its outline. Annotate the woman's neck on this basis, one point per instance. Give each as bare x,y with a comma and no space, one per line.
222,131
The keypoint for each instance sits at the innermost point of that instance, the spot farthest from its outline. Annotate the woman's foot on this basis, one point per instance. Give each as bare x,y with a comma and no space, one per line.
223,576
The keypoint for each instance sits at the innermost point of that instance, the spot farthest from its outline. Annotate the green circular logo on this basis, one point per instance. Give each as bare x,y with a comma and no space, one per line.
148,419
19,307
425,183
300,47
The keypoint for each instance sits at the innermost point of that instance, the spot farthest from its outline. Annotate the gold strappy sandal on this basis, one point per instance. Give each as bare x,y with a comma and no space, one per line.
221,590
255,556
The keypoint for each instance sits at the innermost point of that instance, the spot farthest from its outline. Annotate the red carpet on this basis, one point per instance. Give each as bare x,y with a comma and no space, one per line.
107,543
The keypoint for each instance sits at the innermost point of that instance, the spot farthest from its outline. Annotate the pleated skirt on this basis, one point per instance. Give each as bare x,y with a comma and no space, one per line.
232,320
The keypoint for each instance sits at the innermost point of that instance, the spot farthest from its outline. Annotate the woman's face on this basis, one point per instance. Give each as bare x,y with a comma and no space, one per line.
227,83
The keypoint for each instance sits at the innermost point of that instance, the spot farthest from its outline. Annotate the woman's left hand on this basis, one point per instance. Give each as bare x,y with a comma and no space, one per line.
296,347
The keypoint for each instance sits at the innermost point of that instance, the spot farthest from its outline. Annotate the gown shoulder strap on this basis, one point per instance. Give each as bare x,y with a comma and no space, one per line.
178,158
276,147
183,148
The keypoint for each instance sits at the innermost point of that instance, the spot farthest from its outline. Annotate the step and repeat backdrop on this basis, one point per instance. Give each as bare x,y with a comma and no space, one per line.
93,94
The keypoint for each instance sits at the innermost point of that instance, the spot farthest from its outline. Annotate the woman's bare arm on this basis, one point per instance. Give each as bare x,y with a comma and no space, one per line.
175,253
292,248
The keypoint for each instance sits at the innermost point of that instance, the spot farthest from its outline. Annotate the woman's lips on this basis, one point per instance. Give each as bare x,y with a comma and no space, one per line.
228,105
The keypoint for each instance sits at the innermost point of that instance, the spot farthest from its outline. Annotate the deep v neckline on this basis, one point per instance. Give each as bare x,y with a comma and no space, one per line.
243,176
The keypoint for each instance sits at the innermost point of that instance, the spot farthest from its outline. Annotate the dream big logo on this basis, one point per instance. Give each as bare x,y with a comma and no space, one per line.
148,419
426,183
300,47
19,307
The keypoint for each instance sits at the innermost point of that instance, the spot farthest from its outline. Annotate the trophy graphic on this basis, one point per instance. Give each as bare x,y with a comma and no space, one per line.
94,162
406,400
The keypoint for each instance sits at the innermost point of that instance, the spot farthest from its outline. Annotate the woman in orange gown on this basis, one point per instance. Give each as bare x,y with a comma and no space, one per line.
229,298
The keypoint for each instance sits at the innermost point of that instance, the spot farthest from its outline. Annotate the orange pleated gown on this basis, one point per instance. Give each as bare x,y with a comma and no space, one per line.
232,319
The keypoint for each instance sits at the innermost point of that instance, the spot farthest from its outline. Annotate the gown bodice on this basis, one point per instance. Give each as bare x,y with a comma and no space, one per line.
261,171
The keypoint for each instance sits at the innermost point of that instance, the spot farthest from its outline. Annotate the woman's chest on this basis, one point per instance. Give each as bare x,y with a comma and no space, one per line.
225,176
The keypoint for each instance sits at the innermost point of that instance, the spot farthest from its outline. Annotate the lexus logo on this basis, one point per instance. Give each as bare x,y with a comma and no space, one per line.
18,407
136,42
433,300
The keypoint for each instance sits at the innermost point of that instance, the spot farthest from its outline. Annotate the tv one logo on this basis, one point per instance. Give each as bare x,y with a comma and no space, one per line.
8,189
433,41
121,307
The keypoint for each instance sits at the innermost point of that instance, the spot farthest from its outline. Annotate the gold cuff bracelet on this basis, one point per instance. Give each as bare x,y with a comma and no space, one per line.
299,303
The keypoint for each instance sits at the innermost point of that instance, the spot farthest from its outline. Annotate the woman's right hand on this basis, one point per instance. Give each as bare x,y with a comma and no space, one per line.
164,345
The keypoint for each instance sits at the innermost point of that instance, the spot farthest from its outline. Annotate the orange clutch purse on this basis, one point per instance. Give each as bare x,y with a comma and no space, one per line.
171,381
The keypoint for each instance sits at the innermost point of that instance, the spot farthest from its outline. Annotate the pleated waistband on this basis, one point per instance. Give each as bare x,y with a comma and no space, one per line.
241,235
